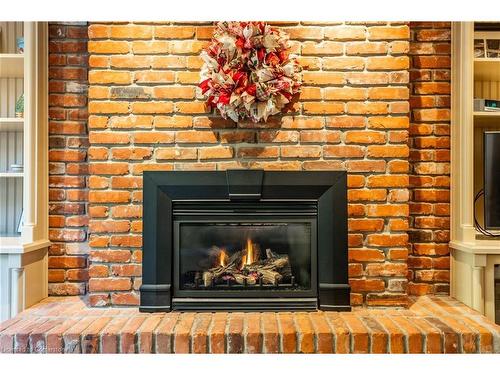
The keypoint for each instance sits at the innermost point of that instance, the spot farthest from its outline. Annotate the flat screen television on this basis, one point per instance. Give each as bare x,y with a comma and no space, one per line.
492,180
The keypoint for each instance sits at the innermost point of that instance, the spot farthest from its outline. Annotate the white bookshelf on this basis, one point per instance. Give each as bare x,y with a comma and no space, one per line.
23,141
473,256
12,86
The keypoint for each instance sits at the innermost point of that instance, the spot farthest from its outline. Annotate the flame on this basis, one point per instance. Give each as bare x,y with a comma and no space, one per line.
250,254
249,258
222,258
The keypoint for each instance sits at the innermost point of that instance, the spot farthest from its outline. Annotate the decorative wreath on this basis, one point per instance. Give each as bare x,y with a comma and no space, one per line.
247,71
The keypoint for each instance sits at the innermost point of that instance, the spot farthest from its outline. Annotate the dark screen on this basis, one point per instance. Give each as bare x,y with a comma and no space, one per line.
492,180
205,247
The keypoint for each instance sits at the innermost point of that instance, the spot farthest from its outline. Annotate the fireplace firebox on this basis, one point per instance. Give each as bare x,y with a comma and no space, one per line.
245,240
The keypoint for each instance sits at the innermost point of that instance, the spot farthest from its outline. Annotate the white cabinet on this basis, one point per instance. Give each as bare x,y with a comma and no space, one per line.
23,141
473,255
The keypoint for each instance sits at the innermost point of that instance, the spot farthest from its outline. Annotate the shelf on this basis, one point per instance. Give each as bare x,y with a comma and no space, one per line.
487,119
10,243
487,59
12,174
477,246
11,124
11,65
487,69
15,245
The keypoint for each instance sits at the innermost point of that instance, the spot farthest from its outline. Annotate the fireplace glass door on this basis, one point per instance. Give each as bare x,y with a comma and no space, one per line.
263,258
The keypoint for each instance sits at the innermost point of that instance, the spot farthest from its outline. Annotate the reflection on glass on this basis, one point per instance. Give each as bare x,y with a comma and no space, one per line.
493,48
478,48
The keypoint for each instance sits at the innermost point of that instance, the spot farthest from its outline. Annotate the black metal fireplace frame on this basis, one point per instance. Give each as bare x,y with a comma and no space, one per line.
162,190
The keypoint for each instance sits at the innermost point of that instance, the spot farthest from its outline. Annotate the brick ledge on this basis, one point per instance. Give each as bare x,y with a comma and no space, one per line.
432,324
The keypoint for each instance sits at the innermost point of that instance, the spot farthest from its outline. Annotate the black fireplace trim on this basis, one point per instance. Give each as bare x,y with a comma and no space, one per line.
327,188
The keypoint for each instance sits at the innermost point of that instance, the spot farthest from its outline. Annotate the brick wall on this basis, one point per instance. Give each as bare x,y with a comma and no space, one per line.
430,75
353,114
68,168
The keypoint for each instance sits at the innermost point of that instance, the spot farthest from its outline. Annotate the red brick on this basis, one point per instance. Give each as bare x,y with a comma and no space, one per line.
110,335
150,47
387,210
326,108
109,168
378,336
386,269
217,334
305,333
67,262
300,151
364,137
345,122
388,33
90,340
128,334
199,336
387,181
355,195
158,77
288,333
131,153
235,336
71,337
366,48
195,137
343,151
369,285
396,335
108,47
164,333
109,284
431,334
270,333
351,93
302,123
359,334
323,78
341,332
109,137
145,334
323,48
366,225
414,336
174,32
109,196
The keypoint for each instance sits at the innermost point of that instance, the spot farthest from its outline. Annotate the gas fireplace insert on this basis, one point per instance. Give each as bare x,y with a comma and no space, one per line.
244,240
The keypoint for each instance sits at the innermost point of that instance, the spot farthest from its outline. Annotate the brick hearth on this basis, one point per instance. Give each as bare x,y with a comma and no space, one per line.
432,324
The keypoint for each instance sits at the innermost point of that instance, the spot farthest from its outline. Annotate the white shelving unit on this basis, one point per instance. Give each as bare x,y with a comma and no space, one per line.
473,256
23,141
